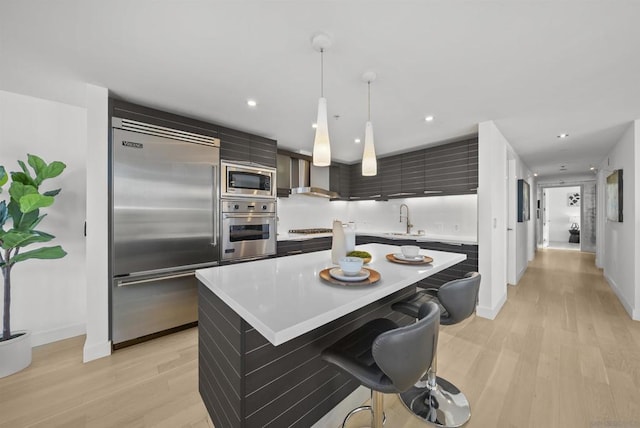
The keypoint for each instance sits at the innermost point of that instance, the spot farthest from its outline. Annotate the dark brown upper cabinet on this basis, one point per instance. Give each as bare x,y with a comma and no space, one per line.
451,169
244,147
340,180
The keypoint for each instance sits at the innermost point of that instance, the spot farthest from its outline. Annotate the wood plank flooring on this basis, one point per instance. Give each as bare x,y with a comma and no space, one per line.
562,353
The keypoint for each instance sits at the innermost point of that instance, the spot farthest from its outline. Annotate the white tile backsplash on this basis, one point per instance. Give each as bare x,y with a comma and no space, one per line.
302,212
437,215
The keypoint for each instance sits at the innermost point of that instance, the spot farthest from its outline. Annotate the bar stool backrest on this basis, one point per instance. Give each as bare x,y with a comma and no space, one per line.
459,297
405,354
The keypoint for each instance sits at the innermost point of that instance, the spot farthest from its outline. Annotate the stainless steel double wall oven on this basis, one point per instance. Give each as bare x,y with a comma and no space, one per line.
248,211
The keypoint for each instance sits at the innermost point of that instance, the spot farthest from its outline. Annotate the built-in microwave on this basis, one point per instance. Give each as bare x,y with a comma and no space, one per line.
247,180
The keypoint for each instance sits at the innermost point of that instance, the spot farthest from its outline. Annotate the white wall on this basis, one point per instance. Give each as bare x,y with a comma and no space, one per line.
97,343
561,215
48,296
493,218
450,216
621,247
525,231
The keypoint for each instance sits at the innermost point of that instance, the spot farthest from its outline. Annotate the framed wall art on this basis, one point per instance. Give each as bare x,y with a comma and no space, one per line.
524,198
614,196
573,199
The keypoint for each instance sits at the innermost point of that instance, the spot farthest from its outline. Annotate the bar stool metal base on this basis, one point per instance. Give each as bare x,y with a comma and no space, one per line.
361,409
443,406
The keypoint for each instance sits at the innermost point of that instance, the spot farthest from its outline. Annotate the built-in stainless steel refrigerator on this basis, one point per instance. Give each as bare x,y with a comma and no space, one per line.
164,225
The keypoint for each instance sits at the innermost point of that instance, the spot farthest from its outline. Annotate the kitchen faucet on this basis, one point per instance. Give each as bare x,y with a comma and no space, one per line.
409,225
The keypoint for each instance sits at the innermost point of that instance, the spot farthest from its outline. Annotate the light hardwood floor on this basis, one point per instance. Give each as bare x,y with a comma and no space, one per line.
561,353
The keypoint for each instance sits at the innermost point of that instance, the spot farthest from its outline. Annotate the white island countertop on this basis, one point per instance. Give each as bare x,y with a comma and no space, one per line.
284,297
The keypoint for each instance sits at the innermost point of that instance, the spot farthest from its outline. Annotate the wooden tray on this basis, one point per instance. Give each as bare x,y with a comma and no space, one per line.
424,261
374,276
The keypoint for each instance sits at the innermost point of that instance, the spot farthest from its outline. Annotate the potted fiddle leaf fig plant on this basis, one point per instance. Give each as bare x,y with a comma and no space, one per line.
20,215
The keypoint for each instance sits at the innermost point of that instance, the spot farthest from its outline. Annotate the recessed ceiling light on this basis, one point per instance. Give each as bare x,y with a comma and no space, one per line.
592,168
252,103
429,119
314,125
535,174
357,141
563,136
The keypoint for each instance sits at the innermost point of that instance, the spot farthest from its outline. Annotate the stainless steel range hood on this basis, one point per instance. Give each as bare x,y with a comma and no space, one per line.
304,178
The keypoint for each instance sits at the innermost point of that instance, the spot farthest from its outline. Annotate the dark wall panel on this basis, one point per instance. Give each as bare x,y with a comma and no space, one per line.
219,360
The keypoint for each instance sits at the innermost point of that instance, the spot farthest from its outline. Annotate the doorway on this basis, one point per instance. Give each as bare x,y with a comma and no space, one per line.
562,217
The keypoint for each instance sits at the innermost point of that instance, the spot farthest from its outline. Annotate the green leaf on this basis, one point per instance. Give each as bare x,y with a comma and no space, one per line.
36,222
35,201
21,177
36,238
18,190
4,213
52,192
3,177
14,238
21,221
41,253
36,163
52,170
24,175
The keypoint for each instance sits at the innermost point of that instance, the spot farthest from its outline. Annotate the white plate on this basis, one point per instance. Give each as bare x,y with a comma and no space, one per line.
401,256
338,274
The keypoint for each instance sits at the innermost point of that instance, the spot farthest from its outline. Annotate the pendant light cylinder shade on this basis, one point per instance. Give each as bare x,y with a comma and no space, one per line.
321,146
369,162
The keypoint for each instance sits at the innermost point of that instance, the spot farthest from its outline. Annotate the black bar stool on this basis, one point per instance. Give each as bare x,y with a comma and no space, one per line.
434,399
386,358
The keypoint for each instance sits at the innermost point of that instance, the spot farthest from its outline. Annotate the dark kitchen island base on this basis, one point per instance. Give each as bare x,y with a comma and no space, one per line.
245,381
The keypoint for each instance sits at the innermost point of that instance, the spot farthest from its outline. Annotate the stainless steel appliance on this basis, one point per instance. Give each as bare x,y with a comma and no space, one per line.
297,173
247,180
248,228
164,224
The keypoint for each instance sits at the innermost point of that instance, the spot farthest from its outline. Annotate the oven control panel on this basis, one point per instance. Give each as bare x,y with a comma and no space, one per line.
248,206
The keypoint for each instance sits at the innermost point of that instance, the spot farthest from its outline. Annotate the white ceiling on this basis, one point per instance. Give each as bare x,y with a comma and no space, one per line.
536,68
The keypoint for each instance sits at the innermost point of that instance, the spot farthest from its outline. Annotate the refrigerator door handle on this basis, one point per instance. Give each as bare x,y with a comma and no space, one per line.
124,282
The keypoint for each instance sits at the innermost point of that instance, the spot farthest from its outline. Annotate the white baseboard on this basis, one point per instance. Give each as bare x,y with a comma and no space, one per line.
93,351
633,313
336,415
491,313
43,337
519,275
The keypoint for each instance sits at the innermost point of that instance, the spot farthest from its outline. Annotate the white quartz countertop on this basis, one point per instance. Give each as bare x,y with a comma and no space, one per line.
283,298
448,239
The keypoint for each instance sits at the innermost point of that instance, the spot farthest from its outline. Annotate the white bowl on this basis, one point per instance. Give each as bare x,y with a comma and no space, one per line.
350,266
410,250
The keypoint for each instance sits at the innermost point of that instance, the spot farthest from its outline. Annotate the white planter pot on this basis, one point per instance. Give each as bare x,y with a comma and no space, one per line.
15,354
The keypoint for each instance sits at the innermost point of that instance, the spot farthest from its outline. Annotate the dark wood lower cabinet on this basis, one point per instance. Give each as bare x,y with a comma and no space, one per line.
436,280
246,382
289,248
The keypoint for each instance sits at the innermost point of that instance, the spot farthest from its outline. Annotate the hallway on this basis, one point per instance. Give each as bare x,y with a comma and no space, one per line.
561,353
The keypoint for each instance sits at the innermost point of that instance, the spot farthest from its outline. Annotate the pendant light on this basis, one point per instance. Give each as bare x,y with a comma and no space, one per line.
369,162
321,144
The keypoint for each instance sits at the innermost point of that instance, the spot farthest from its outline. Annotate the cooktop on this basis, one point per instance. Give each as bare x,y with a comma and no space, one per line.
309,231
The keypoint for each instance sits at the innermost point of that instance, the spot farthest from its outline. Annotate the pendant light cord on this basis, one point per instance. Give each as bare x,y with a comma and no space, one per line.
369,100
321,73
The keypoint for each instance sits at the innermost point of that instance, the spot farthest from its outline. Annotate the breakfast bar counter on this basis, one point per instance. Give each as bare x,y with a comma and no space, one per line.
263,325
